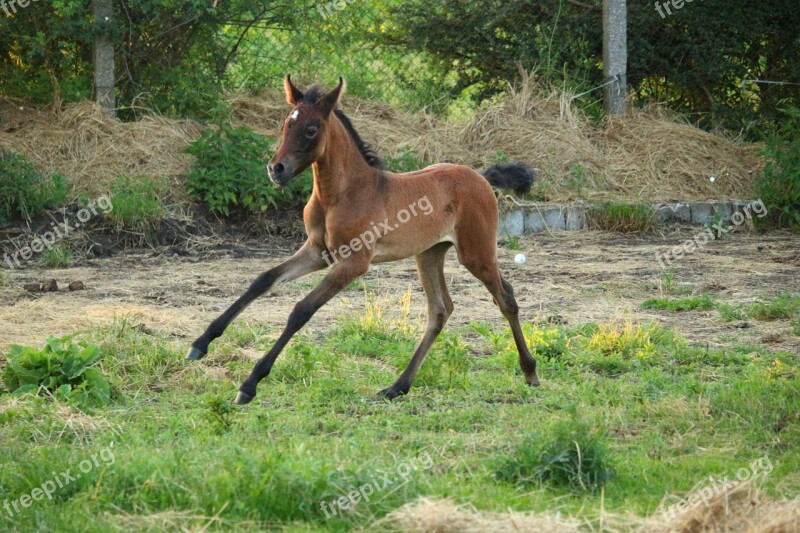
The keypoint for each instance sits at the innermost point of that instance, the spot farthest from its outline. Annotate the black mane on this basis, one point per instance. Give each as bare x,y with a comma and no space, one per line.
313,94
369,155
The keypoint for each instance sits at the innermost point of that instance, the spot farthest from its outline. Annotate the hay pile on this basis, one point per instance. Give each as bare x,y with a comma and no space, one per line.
92,150
741,509
647,155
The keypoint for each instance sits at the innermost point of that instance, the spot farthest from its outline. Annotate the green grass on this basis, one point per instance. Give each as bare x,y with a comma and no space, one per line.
784,306
650,414
59,256
623,218
692,303
137,204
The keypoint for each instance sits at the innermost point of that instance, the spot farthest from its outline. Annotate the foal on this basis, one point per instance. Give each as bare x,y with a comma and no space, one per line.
358,214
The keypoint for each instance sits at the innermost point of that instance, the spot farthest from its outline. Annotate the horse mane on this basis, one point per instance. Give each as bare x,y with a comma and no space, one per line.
370,156
313,94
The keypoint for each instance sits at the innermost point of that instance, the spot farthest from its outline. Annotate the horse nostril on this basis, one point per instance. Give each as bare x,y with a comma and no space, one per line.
277,168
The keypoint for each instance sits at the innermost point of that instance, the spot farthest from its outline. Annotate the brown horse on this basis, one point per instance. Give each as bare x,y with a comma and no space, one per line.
359,214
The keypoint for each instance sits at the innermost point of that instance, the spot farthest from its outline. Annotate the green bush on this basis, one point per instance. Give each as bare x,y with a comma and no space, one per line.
573,456
779,187
229,171
24,191
61,368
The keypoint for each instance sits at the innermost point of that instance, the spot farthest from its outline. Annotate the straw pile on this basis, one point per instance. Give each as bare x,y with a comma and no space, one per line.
92,150
646,155
741,509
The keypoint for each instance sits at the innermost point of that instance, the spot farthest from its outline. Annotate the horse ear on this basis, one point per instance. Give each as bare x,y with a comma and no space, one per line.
330,100
293,94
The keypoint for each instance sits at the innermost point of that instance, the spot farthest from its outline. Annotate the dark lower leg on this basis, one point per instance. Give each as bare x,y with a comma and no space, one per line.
510,309
336,280
306,260
430,267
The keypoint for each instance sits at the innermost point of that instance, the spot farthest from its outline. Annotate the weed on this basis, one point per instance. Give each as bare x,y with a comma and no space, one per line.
783,307
137,203
577,177
729,312
573,455
623,218
692,303
61,368
513,243
220,413
58,256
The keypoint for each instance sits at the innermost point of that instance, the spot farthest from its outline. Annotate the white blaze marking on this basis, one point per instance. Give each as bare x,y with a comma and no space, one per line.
295,114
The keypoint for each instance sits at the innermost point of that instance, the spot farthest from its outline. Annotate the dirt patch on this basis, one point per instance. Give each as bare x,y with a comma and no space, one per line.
570,277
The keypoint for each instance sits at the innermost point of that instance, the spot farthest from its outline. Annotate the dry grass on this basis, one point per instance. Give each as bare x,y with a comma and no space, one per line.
91,149
443,516
648,155
743,508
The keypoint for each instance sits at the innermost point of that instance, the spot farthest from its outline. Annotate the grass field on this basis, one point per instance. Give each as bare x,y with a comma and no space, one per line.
636,408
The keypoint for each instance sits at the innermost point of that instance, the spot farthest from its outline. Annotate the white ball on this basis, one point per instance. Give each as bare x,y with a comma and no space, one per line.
519,259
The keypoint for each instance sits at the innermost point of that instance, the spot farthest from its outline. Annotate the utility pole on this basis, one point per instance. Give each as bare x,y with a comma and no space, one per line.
103,56
615,55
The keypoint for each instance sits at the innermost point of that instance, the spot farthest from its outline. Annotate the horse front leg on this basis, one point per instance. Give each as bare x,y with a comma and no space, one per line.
339,277
309,258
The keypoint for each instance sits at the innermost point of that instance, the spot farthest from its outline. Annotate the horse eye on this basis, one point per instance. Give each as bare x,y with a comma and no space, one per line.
311,132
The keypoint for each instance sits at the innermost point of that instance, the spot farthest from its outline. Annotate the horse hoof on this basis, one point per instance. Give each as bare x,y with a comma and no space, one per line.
533,381
242,398
391,393
195,354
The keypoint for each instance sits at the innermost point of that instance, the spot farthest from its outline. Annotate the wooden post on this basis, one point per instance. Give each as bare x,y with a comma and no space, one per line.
103,56
615,55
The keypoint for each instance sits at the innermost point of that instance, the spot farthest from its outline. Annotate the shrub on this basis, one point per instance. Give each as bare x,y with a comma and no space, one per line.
24,191
61,368
229,171
405,160
573,456
779,187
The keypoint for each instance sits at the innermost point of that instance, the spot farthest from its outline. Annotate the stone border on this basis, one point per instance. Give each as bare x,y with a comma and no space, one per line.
521,220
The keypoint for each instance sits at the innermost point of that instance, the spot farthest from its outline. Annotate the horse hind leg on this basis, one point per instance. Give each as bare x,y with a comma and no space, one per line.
502,292
430,267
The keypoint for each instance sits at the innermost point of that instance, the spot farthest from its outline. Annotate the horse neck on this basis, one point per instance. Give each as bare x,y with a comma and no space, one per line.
341,172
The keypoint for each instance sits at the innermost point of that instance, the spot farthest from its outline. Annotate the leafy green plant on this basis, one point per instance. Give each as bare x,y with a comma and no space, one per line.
779,187
229,172
137,203
623,218
24,191
66,370
573,455
406,160
220,413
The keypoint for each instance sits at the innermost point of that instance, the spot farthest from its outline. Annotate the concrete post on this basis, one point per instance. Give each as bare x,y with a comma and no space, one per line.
103,56
615,55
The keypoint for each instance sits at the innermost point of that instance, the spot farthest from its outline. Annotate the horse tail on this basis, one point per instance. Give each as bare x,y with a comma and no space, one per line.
517,175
